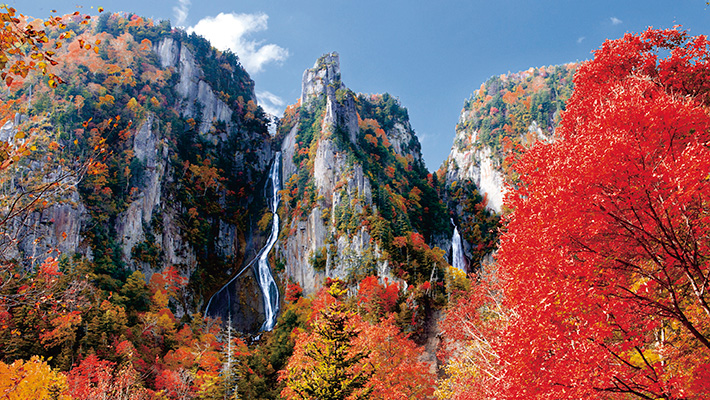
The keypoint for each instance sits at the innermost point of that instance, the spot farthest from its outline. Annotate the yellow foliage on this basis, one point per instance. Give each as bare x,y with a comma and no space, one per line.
160,300
265,221
459,371
649,356
32,379
107,99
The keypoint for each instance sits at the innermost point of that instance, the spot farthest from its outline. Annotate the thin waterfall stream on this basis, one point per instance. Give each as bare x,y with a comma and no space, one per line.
266,279
220,304
458,260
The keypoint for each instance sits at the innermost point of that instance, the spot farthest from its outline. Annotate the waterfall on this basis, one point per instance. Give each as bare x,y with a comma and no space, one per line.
457,258
220,304
266,280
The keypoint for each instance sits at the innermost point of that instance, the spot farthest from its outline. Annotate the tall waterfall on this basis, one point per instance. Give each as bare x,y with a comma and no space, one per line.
266,280
220,304
457,258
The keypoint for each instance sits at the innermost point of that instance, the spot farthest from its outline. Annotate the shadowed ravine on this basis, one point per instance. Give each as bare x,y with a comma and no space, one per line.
220,304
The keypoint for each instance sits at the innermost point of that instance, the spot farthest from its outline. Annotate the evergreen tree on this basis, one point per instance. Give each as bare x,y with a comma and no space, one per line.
332,370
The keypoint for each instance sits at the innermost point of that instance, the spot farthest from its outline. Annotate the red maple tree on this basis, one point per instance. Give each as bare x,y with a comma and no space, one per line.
605,255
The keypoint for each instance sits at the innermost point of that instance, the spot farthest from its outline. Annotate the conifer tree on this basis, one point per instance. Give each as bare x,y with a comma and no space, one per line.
332,371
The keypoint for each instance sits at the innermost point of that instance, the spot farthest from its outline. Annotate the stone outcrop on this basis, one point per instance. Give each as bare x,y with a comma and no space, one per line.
478,165
340,184
192,85
323,80
521,107
402,137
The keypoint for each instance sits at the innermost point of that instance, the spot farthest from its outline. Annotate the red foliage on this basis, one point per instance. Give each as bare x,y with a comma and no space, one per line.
170,280
375,298
95,379
293,292
605,254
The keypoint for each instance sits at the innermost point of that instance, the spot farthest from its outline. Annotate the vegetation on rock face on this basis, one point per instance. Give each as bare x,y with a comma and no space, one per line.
507,105
477,223
506,115
405,200
100,328
404,191
108,94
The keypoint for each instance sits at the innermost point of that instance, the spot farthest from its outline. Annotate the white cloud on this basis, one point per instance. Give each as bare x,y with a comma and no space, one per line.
230,31
581,39
271,103
424,137
615,21
180,11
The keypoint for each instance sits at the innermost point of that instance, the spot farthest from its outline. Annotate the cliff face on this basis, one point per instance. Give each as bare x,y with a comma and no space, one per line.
507,112
334,199
310,247
518,108
192,87
183,145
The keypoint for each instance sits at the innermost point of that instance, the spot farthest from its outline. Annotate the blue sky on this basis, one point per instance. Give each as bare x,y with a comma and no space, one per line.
432,55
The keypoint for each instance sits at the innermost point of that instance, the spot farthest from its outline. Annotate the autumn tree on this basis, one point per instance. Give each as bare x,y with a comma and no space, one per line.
399,372
24,50
96,379
605,254
324,365
471,334
375,299
32,379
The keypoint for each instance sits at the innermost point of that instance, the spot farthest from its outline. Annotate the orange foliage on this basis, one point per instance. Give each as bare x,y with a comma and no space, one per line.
398,373
32,379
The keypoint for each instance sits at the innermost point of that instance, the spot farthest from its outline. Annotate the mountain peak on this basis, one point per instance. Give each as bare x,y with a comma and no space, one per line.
325,73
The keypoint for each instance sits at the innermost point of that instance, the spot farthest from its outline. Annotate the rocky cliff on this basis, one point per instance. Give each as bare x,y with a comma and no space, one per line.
517,109
506,114
169,143
346,160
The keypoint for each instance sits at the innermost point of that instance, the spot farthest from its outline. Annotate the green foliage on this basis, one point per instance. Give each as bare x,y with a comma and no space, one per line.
148,251
309,129
506,105
478,224
272,352
135,295
332,375
318,259
385,109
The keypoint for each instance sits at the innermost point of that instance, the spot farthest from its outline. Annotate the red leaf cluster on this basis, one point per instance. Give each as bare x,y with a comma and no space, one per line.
605,255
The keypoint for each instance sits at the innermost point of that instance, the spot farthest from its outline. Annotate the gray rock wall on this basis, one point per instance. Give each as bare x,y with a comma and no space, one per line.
192,86
339,183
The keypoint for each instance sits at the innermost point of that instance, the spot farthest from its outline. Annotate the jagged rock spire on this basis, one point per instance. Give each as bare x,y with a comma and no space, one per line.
324,74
